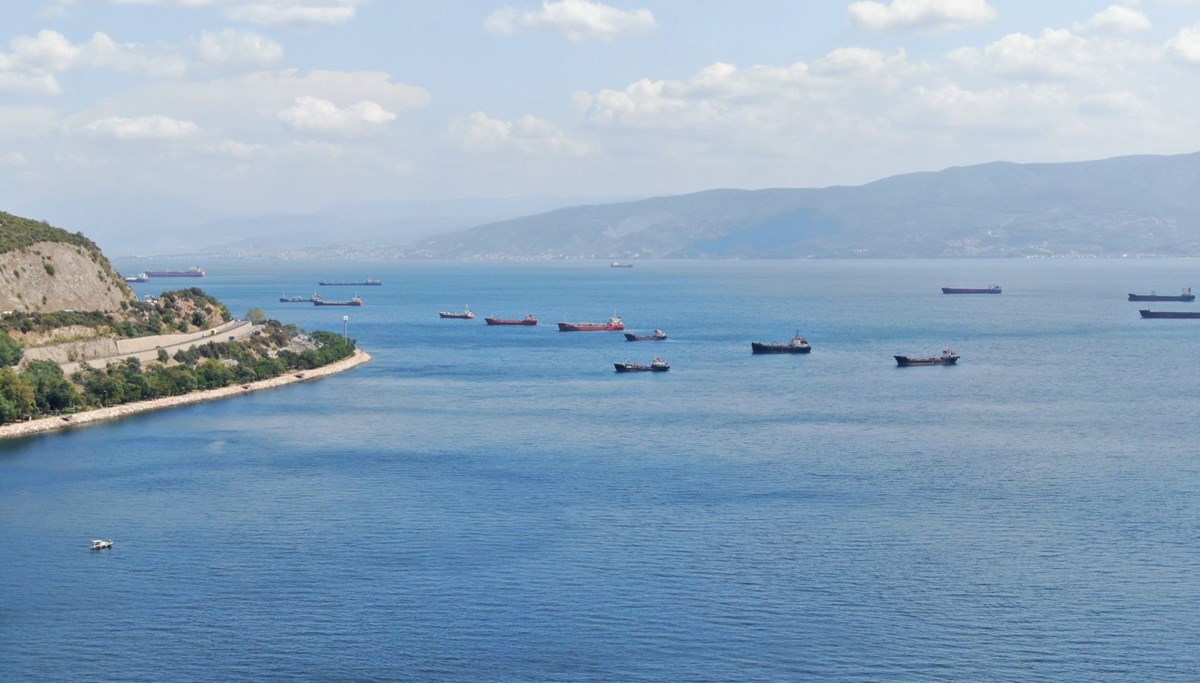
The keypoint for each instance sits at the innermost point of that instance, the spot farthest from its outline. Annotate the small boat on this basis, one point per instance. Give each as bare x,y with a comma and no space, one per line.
466,314
948,357
352,301
656,365
614,324
1169,314
101,544
350,283
140,277
797,345
618,264
658,335
527,320
1185,295
990,289
294,299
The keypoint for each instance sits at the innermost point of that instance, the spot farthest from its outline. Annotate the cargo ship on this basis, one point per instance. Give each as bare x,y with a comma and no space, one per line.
948,357
1168,314
656,365
1186,295
527,320
140,277
294,299
352,301
614,324
797,345
467,314
658,335
350,283
990,289
194,271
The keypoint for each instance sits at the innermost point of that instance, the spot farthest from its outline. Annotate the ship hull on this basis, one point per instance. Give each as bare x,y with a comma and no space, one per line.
357,283
1160,297
905,361
590,327
970,290
175,273
639,367
651,337
758,348
501,321
337,303
457,316
1168,314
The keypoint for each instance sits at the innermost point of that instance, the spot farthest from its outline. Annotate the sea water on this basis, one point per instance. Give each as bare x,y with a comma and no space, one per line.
497,504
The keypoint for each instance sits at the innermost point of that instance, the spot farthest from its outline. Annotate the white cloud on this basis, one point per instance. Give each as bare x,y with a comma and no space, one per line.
13,159
238,48
282,13
1055,54
528,135
1185,45
1116,18
317,115
156,127
20,82
577,20
51,51
232,148
933,15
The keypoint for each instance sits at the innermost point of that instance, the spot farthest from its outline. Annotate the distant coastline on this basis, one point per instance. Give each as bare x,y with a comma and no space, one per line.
51,424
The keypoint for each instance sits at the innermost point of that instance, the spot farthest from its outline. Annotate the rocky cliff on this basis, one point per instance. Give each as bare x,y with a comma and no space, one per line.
46,269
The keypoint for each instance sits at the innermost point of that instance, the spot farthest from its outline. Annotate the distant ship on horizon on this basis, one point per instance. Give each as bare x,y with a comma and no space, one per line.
194,271
350,283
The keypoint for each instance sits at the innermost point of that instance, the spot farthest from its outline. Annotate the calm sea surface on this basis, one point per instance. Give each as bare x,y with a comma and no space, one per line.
496,504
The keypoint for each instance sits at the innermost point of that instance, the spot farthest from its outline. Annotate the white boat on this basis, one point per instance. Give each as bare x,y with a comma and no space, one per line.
100,544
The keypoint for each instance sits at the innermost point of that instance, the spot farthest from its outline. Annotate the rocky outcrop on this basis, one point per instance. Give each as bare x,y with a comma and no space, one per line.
56,276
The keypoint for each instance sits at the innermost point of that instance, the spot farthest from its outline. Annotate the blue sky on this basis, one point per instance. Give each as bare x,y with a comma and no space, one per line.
244,106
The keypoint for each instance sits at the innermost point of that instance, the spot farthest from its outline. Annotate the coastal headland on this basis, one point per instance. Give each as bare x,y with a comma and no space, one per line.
56,423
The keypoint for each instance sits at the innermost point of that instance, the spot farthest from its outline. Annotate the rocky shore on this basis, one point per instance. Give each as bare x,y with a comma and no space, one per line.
49,424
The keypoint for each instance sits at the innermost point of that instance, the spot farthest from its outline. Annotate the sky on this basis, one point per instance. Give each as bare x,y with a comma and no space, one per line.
287,106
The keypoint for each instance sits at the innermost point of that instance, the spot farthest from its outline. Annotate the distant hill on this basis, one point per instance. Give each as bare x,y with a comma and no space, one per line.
1138,205
47,269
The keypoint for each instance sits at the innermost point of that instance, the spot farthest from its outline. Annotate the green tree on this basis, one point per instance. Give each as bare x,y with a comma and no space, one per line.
256,315
10,350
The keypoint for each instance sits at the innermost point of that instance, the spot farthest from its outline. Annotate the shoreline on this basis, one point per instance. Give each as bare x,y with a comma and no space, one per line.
60,422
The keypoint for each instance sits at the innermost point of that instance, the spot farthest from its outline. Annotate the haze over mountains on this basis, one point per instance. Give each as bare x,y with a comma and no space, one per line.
1125,206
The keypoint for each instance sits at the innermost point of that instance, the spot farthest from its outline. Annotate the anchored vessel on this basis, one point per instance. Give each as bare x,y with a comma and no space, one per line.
948,357
1185,295
614,324
350,283
527,320
466,314
656,365
101,544
352,301
295,299
797,345
194,271
140,277
658,335
618,264
990,289
1168,314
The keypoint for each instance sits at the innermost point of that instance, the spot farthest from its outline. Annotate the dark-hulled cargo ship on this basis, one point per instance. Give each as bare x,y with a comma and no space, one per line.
194,271
1168,314
990,289
1185,295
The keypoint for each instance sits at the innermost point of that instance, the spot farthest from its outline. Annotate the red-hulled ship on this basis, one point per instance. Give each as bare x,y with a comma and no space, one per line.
353,301
527,320
614,324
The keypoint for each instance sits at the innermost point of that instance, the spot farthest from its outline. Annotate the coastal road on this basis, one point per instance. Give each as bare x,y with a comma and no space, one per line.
146,348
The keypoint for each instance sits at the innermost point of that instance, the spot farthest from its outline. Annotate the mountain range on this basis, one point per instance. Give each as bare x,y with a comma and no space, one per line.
1126,206
1137,205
